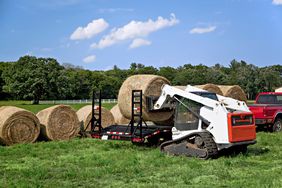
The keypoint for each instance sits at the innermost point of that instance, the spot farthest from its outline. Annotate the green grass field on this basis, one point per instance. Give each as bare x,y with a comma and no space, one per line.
95,163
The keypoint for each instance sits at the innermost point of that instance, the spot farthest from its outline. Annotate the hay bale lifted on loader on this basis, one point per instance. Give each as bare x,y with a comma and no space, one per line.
234,91
85,114
211,88
180,87
17,126
119,118
208,87
151,86
58,122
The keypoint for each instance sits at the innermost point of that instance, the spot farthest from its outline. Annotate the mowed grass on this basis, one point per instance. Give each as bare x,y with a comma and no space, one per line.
37,107
95,163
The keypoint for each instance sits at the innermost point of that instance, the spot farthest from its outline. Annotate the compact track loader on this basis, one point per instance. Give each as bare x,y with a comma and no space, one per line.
204,123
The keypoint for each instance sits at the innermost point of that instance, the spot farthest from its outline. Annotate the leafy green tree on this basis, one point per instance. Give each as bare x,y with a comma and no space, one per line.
33,78
147,70
244,75
3,66
269,79
188,74
110,87
167,72
216,75
71,66
79,84
138,68
44,78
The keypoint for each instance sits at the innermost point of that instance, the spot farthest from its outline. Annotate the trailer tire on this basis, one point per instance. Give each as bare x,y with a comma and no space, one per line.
277,126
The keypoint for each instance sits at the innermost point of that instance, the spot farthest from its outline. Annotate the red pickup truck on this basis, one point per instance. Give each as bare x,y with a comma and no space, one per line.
267,110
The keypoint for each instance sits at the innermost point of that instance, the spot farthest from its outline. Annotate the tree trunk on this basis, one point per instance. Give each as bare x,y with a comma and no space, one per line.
35,100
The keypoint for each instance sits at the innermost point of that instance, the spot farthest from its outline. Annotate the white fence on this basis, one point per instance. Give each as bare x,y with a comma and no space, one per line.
81,101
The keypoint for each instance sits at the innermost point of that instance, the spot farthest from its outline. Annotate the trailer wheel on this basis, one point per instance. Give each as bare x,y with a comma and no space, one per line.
277,126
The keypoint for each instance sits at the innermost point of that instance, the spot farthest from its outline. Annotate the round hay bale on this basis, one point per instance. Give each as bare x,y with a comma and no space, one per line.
17,126
119,118
58,122
85,113
151,86
234,91
181,87
211,88
169,122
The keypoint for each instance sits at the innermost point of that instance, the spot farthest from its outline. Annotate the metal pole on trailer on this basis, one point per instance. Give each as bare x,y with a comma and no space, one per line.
92,115
132,113
100,113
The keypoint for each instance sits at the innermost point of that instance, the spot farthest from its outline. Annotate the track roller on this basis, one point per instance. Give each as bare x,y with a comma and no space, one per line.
200,145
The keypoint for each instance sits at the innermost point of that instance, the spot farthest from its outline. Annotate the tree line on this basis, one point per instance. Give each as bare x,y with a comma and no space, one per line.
32,78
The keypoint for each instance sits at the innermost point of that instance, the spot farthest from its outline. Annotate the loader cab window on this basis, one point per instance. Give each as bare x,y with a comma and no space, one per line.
184,118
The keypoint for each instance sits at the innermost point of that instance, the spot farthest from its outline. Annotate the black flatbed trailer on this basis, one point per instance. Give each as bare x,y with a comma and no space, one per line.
152,135
137,131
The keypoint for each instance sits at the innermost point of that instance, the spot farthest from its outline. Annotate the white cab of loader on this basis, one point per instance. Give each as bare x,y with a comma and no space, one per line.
229,121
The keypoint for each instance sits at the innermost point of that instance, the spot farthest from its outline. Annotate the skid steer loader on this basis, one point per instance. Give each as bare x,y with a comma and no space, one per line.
204,123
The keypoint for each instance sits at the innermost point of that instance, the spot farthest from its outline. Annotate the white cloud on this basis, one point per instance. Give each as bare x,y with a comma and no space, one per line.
93,28
201,30
89,59
139,42
113,10
277,2
135,29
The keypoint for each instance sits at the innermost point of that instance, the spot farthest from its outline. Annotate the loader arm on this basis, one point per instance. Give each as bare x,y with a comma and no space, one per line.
170,92
227,101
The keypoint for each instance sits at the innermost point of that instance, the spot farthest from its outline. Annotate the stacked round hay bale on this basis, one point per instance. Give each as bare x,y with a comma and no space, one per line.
85,114
234,91
58,122
119,118
278,89
169,122
211,88
17,126
151,86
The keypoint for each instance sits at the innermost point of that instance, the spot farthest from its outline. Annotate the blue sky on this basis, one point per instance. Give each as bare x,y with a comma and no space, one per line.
98,34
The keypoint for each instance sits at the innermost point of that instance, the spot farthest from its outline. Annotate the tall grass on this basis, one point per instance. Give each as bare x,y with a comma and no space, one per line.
95,163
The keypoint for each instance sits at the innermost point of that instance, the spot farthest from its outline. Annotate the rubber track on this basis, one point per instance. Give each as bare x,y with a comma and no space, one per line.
210,145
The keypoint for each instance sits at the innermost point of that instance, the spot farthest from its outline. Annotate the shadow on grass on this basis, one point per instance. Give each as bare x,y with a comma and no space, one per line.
263,129
257,151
